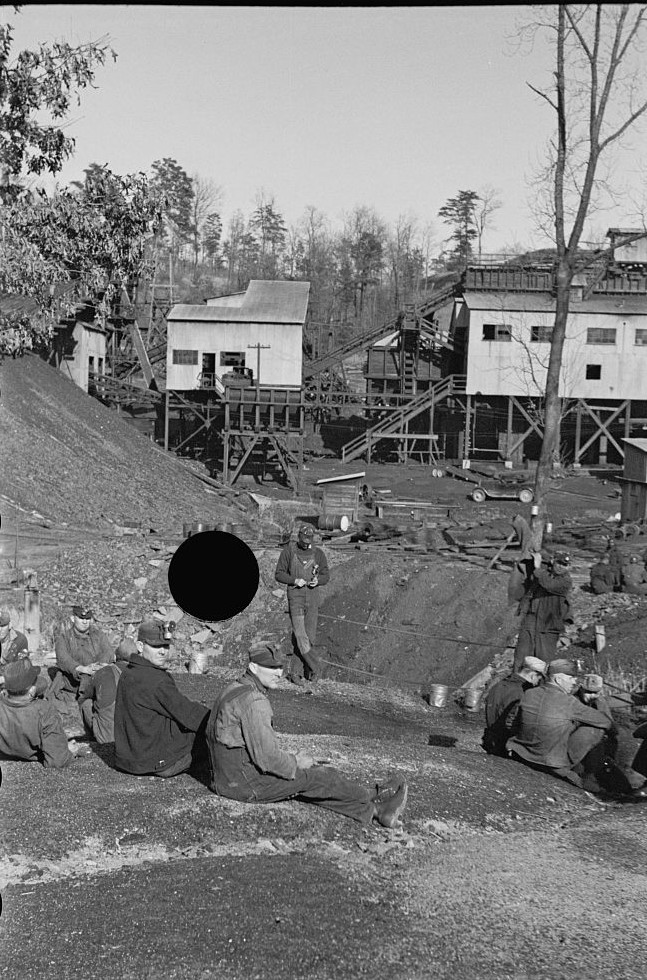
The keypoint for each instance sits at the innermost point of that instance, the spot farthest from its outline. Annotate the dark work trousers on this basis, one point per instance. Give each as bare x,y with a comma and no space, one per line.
533,642
304,611
237,778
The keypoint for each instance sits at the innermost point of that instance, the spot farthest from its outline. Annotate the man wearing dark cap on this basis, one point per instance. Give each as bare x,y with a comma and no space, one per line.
248,763
548,717
304,569
13,643
81,649
30,727
544,607
158,731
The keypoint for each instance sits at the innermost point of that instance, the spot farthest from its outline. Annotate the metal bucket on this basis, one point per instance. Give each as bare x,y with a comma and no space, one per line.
471,698
198,661
199,526
438,695
333,522
186,530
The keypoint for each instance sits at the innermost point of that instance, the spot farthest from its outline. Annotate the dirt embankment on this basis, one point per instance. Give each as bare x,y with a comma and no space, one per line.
69,458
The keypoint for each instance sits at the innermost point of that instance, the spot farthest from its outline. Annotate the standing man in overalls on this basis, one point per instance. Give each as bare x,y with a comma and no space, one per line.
303,569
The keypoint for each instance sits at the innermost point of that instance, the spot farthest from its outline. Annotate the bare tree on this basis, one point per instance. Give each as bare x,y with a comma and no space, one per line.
207,197
597,96
489,202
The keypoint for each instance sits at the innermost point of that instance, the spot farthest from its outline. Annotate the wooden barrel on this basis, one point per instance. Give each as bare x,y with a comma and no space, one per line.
333,522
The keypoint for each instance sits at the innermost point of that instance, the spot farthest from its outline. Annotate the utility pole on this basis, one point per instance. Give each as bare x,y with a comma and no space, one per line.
258,348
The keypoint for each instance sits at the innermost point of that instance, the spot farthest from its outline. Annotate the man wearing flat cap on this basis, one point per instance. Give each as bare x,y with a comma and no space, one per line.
304,569
81,649
13,643
248,763
30,726
548,717
545,607
502,704
158,731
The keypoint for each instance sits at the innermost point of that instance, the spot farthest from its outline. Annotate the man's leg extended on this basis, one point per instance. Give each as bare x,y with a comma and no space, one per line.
237,778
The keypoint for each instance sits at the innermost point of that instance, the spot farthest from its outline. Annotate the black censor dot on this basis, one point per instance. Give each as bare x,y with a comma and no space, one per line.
213,575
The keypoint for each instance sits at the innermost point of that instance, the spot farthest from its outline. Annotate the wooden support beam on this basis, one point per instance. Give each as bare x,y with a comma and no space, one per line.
253,439
603,429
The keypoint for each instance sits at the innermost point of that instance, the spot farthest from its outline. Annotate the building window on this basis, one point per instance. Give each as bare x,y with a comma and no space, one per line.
185,357
601,335
593,372
232,359
497,331
641,337
541,334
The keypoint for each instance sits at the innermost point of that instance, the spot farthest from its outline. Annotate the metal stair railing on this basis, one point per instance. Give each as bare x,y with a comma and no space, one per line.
368,337
394,421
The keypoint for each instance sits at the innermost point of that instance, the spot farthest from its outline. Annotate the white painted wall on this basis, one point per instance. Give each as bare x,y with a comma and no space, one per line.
518,367
280,364
89,343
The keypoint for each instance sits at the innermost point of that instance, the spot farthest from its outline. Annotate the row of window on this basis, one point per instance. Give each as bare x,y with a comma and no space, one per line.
543,334
229,358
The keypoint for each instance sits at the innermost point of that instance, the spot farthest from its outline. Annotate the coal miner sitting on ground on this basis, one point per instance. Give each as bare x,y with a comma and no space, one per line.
30,727
557,733
158,731
502,703
97,700
249,765
81,649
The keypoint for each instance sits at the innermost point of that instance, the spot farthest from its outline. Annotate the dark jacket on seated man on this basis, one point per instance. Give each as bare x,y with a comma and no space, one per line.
155,725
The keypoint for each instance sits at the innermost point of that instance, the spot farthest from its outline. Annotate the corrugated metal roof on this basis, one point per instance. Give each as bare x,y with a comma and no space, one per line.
266,301
545,303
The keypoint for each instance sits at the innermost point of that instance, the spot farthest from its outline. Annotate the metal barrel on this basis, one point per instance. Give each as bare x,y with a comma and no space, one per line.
471,698
333,522
438,695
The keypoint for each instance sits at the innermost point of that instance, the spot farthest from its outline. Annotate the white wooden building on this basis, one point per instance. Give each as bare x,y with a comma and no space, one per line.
258,333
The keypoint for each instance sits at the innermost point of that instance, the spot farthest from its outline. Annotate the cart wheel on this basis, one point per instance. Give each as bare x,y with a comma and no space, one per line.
526,495
478,495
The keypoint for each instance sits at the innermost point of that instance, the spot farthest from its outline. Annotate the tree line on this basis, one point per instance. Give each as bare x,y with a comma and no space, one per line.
108,232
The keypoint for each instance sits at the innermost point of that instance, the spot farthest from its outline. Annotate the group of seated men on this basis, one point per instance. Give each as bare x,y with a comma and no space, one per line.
129,696
619,571
551,719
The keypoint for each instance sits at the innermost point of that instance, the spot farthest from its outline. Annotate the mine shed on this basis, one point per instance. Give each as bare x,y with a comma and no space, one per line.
234,368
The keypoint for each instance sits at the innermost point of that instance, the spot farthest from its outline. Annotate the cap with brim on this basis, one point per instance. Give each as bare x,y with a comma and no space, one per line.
82,612
562,667
153,633
5,618
306,531
20,676
592,683
534,663
265,655
561,558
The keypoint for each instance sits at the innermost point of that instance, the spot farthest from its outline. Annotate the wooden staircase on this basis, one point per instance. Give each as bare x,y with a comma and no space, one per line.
371,336
395,425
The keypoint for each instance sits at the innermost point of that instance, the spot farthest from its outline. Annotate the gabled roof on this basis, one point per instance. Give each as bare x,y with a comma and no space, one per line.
265,301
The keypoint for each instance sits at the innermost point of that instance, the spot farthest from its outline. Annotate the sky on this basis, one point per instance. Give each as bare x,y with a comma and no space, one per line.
395,108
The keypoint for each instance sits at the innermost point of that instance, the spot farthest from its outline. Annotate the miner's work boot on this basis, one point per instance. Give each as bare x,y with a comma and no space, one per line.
389,812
